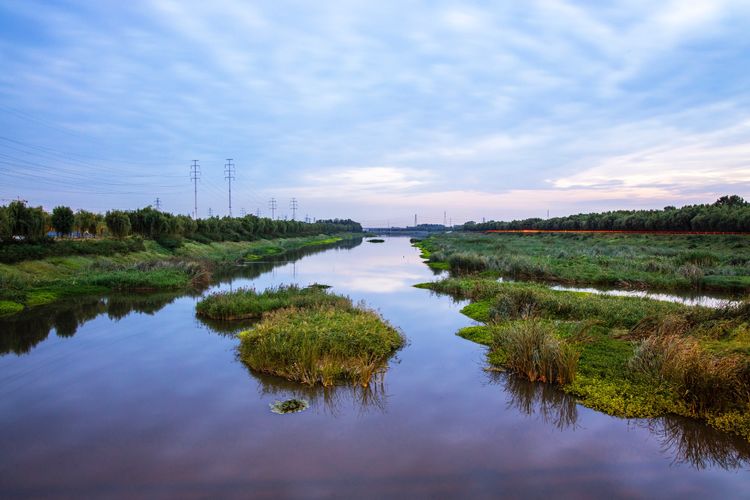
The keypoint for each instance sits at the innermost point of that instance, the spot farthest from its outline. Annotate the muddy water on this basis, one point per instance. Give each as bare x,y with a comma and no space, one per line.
134,397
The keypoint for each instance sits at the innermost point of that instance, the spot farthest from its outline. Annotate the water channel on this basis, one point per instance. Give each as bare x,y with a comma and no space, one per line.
132,395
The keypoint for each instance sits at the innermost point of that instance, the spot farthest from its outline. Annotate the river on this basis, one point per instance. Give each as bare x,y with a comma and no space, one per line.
133,396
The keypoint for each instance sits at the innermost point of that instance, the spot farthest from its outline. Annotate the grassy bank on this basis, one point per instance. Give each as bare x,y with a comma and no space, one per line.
625,356
35,282
664,262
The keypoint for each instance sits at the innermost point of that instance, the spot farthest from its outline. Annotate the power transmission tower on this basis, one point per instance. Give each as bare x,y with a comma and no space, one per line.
157,202
445,217
195,174
210,212
415,220
257,213
229,175
242,211
293,205
272,206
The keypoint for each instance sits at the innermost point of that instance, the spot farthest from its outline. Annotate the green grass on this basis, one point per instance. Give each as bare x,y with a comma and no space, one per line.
150,267
636,357
663,262
321,345
247,303
9,307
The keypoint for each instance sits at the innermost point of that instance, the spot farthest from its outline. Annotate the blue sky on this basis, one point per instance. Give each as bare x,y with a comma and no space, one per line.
376,110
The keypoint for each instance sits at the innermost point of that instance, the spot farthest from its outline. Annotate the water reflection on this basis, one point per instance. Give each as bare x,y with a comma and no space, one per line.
686,299
22,332
698,445
686,440
332,400
553,406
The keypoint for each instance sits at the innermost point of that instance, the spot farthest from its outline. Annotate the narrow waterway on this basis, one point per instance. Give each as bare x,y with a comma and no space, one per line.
133,396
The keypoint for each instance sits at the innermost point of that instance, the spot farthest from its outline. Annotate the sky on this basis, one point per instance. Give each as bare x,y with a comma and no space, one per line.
375,110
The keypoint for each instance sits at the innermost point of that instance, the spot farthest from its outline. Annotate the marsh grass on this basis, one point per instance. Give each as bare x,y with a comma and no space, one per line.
705,381
534,351
325,344
629,261
248,303
289,406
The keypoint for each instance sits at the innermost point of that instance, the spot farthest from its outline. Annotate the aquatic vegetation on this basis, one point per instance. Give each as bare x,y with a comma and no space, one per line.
376,240
248,303
533,350
321,345
628,356
289,406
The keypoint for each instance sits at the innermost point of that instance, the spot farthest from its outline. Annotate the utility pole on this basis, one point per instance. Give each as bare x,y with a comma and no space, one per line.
229,175
293,205
195,174
157,202
272,206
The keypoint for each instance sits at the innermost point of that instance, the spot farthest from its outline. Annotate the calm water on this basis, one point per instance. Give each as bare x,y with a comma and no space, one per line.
135,397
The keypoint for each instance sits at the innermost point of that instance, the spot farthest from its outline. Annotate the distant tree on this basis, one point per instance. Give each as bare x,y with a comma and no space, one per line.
118,223
63,220
86,222
730,201
6,229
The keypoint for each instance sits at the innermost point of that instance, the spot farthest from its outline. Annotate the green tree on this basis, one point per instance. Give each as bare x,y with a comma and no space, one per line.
118,223
63,220
86,221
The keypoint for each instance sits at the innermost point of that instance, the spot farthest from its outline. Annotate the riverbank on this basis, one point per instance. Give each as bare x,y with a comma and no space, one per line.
32,283
631,357
631,261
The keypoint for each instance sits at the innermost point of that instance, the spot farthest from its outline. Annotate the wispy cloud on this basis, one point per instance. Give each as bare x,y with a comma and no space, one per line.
359,105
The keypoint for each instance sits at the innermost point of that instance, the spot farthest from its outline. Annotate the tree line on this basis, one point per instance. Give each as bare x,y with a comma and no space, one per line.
727,214
20,222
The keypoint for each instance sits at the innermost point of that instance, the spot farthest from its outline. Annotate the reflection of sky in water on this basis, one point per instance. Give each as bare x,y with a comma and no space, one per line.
154,404
690,300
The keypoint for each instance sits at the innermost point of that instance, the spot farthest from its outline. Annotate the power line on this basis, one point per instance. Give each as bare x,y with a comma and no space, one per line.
293,205
229,175
272,205
195,174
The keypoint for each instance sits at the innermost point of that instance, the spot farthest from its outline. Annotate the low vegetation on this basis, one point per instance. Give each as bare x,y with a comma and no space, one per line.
659,262
376,240
248,303
113,265
626,356
325,344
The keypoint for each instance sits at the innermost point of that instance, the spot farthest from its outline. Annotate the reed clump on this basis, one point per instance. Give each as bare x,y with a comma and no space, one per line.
704,380
533,351
324,344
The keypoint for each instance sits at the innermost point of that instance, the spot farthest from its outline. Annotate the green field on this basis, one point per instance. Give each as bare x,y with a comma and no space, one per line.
659,262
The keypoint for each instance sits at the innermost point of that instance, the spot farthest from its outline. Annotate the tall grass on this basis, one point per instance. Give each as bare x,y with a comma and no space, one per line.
705,381
248,303
322,344
533,351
